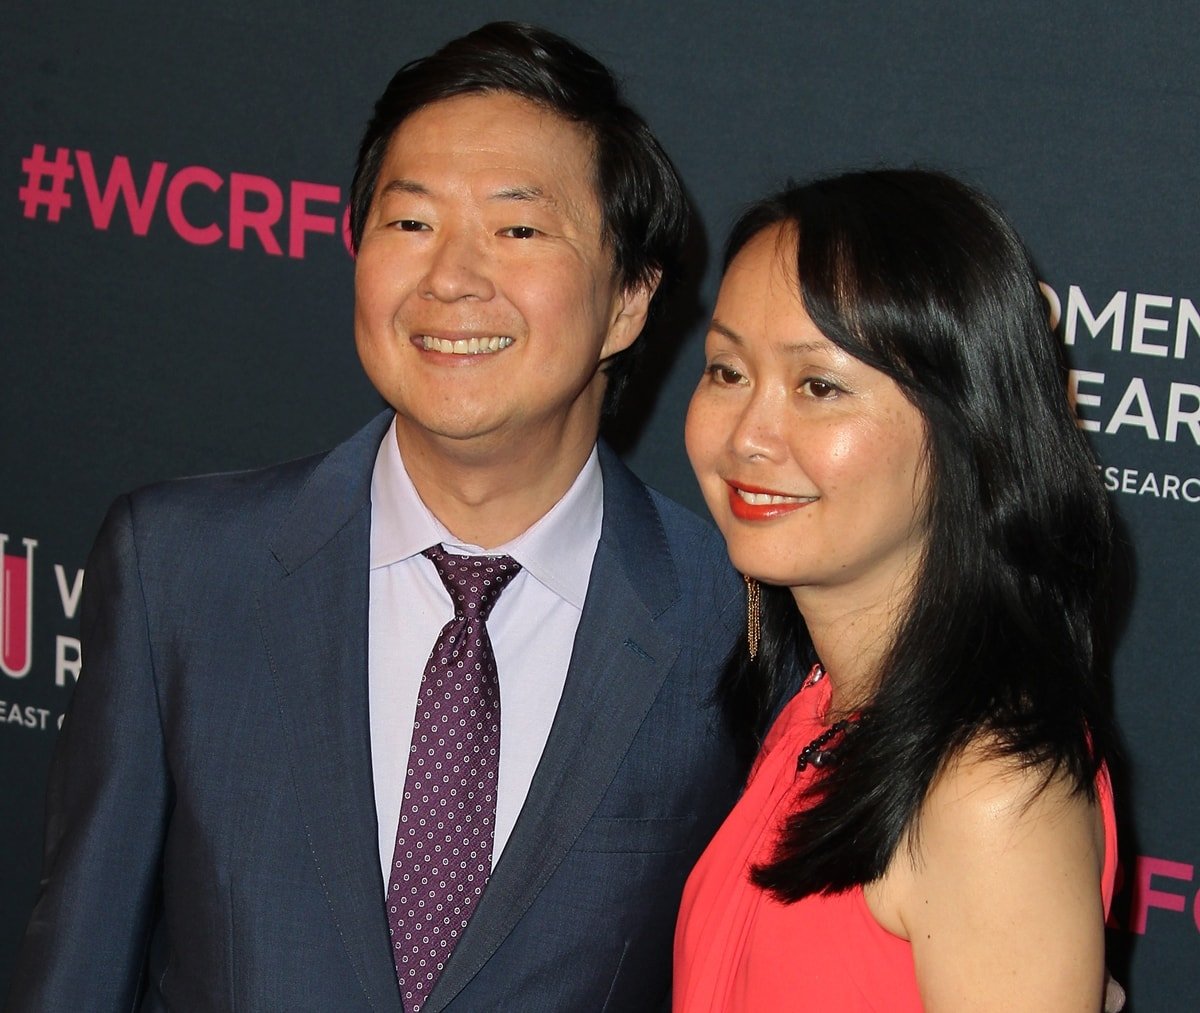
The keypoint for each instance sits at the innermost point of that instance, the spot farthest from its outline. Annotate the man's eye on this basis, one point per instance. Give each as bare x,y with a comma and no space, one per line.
519,232
411,225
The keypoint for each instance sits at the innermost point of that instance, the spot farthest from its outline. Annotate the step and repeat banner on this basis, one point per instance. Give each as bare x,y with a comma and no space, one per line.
176,292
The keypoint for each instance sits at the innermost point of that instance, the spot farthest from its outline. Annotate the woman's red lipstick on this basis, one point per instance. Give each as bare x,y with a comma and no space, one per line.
745,511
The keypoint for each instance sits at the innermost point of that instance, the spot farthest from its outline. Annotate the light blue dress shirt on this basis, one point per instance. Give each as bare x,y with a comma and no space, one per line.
532,629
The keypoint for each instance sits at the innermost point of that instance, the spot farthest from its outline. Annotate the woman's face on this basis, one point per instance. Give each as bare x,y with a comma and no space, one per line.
812,462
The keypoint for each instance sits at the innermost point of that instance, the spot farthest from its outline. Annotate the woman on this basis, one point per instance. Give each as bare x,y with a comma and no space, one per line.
883,438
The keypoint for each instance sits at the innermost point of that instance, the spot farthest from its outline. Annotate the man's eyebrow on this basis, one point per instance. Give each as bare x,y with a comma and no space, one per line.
407,186
530,194
797,347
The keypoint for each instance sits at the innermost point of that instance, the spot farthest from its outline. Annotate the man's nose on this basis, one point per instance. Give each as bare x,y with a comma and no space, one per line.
459,268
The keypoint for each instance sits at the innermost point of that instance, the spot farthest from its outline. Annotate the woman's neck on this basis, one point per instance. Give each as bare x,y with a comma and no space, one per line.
852,638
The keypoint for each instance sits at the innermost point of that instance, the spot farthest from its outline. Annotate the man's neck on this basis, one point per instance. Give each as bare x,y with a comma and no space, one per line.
488,495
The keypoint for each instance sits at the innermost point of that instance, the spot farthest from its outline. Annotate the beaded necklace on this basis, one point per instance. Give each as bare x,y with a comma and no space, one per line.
819,753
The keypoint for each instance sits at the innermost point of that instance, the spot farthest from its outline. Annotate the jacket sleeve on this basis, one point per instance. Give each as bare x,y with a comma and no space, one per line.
107,803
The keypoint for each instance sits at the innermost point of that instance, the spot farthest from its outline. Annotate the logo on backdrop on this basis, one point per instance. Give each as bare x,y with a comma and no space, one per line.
1159,327
16,609
1157,338
21,559
1157,884
256,212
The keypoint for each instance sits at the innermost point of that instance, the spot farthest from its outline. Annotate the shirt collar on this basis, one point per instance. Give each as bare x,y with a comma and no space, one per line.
557,550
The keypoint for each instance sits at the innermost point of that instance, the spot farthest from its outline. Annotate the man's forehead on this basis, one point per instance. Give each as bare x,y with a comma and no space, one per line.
494,116
512,149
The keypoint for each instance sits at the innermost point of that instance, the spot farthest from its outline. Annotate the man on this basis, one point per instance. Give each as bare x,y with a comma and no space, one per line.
239,783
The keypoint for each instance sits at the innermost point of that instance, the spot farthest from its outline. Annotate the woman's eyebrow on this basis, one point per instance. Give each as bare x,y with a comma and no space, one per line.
796,347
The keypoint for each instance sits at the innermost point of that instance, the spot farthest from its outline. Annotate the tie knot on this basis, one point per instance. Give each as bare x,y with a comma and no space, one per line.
474,582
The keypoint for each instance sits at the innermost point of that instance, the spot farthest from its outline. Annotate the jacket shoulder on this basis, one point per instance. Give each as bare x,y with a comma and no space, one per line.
695,543
244,506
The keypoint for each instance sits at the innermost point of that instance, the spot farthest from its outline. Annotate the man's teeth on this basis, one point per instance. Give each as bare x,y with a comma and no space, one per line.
770,499
464,346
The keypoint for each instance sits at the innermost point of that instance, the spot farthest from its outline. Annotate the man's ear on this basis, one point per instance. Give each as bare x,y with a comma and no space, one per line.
630,309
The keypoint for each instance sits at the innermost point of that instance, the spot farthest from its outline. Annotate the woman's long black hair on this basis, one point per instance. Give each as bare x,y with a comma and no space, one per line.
923,278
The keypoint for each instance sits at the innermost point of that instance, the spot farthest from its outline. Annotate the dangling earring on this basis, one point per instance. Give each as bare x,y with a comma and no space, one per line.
753,626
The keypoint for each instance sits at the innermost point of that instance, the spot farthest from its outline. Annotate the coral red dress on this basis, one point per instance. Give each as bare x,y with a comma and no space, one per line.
739,950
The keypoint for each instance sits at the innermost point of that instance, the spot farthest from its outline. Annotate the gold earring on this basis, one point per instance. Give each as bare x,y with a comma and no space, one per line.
753,623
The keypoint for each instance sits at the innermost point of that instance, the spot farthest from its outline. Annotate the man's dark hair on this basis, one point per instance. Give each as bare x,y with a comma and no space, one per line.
644,213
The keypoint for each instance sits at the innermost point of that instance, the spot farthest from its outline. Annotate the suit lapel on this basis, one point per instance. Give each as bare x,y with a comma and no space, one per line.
314,623
618,665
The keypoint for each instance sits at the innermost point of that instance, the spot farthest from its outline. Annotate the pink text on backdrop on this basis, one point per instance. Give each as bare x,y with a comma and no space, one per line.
259,212
1157,884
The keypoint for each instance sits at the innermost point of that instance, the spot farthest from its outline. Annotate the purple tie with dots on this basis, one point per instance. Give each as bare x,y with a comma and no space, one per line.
443,850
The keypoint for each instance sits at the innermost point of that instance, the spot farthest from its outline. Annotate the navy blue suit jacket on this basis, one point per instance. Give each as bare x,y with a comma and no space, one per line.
211,827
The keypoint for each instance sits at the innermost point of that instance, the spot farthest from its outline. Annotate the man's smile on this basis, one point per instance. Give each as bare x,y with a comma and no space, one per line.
463,346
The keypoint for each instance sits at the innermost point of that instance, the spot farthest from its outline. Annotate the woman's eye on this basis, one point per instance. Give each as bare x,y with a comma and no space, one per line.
819,389
520,232
726,376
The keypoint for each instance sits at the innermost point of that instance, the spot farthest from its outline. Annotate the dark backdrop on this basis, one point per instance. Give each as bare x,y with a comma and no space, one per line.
175,293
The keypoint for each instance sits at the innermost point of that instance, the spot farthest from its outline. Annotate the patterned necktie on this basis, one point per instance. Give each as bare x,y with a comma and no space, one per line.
443,850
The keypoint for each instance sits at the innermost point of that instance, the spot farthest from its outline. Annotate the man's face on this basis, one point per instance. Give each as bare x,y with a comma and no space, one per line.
485,296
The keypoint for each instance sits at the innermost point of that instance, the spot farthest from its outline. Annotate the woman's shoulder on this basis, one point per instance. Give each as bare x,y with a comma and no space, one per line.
991,820
1000,878
986,806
